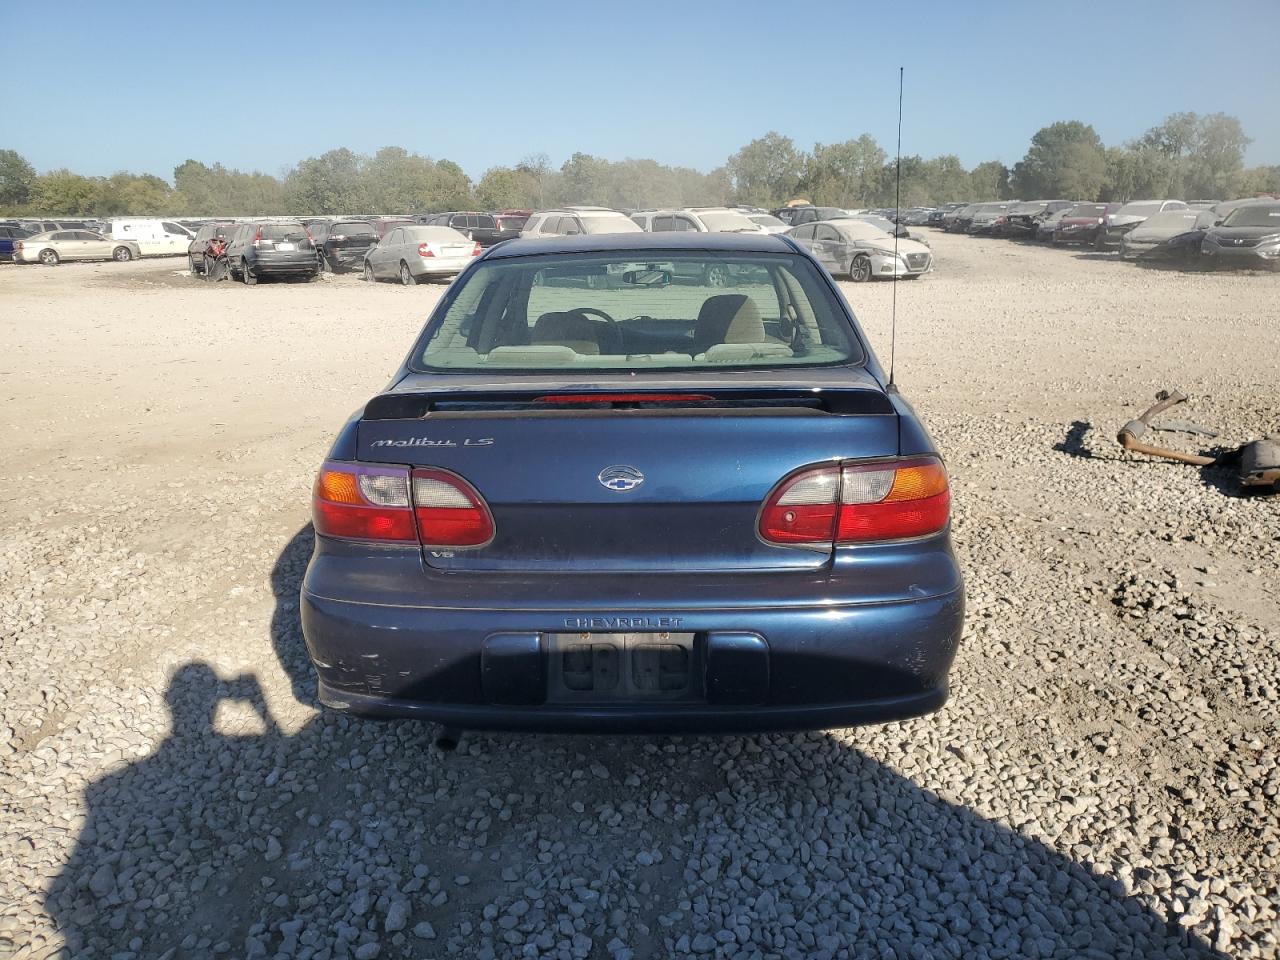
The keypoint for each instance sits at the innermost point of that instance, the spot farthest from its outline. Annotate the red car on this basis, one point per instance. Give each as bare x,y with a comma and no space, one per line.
1082,222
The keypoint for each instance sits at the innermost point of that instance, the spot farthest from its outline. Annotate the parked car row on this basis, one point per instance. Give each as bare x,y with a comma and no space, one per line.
124,238
1204,232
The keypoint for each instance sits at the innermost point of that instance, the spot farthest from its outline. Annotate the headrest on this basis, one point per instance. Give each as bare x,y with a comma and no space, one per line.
727,318
568,329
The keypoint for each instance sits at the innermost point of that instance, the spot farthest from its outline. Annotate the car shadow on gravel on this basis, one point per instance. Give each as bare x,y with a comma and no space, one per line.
286,628
351,838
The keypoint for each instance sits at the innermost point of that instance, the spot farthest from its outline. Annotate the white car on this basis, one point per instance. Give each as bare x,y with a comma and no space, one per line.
768,221
698,220
570,221
410,253
155,238
862,251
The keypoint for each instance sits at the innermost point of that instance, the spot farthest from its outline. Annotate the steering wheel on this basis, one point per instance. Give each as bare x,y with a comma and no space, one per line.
615,329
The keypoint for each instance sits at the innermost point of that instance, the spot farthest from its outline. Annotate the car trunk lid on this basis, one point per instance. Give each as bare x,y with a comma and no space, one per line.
627,473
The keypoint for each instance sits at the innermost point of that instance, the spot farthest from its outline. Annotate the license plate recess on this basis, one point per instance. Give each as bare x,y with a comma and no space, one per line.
621,667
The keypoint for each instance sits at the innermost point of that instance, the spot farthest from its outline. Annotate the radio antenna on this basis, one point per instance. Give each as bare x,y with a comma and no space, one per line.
897,225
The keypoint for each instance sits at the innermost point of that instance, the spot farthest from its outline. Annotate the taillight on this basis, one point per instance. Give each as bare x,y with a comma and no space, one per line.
393,505
475,251
363,503
424,250
450,512
858,503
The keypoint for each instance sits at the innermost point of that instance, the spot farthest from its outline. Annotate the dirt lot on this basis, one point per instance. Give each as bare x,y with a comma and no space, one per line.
1103,782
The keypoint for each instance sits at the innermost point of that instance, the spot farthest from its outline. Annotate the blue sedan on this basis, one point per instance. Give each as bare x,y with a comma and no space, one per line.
636,482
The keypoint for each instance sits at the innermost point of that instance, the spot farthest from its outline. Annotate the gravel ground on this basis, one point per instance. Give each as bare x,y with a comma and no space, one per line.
1102,784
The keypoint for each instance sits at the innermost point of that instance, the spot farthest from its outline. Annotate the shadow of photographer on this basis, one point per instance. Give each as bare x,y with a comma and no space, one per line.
354,838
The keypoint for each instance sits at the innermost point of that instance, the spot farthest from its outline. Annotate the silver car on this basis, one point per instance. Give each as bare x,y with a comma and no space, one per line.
1159,227
697,220
410,253
861,251
54,246
1248,236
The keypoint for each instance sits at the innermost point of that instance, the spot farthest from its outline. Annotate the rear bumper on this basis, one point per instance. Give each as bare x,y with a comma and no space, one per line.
441,266
826,663
347,256
293,266
639,719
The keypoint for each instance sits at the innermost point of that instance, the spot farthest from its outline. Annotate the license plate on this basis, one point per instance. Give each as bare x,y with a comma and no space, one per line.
286,246
455,251
623,667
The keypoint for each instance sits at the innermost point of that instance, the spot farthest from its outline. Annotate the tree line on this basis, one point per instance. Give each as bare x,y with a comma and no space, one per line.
1188,156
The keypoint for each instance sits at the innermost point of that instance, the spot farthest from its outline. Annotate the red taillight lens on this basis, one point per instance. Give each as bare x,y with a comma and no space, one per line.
802,509
424,250
429,506
858,503
476,250
363,503
450,512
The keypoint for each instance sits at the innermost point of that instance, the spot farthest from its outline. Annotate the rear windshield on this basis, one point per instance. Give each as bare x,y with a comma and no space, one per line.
511,223
724,221
1141,208
283,231
609,223
352,228
1087,210
1254,216
671,310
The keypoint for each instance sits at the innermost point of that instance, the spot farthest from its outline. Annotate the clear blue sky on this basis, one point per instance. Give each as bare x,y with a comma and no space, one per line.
100,87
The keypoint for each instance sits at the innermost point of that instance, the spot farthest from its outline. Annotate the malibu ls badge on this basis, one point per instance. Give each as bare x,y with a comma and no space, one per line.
620,478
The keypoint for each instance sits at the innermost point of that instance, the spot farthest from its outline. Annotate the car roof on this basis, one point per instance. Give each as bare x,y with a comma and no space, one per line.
626,242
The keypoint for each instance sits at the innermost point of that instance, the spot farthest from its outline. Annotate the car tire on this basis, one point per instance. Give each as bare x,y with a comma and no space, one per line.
50,258
860,269
368,273
246,275
407,279
122,255
324,265
191,263
716,276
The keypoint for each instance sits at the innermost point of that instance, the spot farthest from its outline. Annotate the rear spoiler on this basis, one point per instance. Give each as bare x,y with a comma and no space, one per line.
417,406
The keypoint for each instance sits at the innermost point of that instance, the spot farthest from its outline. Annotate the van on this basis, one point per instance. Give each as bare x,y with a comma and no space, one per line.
155,238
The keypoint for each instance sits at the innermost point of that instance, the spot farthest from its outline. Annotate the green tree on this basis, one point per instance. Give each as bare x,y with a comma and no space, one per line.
1065,160
129,194
946,178
17,179
1260,180
844,174
61,192
450,187
1215,165
767,171
989,181
503,188
1197,157
329,183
